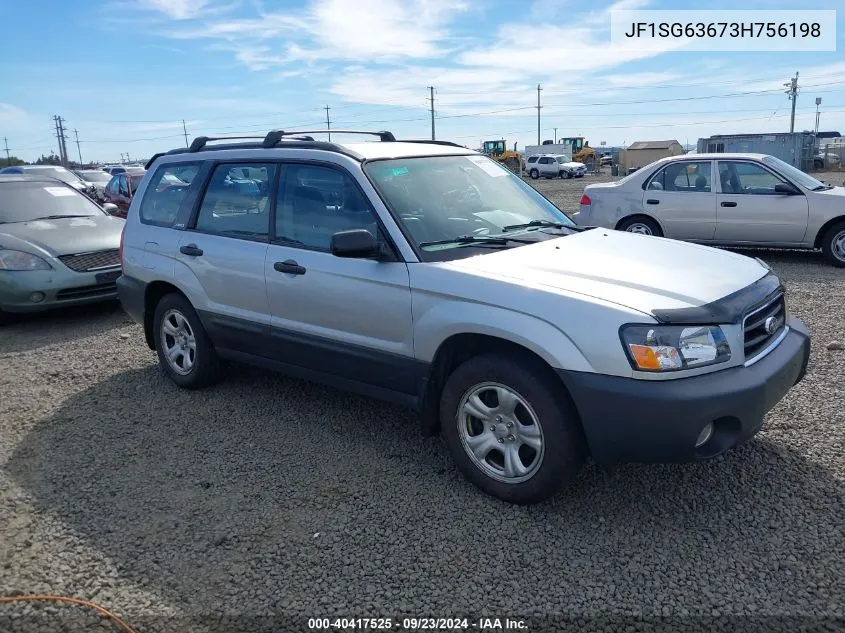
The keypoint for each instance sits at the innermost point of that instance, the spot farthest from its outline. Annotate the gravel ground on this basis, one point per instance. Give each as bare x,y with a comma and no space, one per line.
265,496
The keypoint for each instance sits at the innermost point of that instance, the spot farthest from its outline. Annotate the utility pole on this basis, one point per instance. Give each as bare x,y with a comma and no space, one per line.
431,98
60,136
8,158
328,123
185,130
76,134
818,103
792,91
538,113
555,135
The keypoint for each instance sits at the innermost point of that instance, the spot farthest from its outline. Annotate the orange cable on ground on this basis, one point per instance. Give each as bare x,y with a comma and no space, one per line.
76,601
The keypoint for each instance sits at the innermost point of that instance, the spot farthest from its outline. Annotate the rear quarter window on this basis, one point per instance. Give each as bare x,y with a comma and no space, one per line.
165,194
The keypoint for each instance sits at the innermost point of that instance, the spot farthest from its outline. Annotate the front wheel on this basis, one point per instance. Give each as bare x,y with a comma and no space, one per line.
566,174
833,245
510,429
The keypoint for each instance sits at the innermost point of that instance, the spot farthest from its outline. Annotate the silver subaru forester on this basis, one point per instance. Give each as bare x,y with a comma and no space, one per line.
426,274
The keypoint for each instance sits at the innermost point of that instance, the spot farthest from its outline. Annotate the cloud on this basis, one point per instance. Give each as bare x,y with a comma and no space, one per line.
353,30
187,9
177,9
11,115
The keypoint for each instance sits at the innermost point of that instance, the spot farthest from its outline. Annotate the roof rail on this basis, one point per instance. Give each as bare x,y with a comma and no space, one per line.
432,142
274,136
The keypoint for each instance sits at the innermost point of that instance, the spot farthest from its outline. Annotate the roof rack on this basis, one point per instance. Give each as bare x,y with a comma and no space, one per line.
431,142
302,139
200,142
274,136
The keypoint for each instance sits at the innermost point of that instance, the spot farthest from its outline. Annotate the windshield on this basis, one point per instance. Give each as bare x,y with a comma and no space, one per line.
26,201
441,198
564,159
61,173
796,175
95,175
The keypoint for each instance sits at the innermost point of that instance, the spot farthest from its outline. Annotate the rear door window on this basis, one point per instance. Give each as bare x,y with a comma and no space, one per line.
237,201
685,177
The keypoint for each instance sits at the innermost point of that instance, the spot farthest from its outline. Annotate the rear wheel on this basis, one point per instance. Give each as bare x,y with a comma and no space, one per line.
833,245
641,225
509,429
184,350
534,174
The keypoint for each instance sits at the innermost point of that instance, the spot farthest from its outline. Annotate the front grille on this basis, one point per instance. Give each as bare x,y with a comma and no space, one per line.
96,260
83,292
757,335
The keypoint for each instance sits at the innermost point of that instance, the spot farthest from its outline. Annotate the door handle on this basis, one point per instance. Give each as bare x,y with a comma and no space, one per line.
652,201
190,249
729,204
290,267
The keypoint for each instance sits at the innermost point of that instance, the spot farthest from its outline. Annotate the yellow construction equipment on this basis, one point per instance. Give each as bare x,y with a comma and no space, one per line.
498,151
581,151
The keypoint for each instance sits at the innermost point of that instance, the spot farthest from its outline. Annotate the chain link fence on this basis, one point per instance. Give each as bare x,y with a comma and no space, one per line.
830,157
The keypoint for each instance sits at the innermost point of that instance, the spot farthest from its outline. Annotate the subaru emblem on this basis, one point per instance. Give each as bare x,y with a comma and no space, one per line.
771,325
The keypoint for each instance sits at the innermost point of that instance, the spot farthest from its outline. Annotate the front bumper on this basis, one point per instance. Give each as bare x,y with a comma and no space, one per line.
629,420
59,289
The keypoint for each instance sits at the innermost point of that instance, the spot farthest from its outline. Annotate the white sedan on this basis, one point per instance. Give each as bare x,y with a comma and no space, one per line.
756,200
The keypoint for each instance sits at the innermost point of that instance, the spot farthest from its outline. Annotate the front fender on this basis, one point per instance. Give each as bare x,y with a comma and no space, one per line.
448,318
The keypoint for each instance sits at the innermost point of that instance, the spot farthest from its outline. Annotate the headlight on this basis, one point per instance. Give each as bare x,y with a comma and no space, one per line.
674,347
18,260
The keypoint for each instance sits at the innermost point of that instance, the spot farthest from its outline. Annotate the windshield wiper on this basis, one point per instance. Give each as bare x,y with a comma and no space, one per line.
493,240
822,188
540,223
58,217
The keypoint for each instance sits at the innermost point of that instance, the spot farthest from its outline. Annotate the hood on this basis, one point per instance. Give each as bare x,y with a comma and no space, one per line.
64,236
640,272
836,192
573,165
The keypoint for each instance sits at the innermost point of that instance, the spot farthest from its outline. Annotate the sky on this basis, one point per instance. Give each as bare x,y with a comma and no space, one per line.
125,74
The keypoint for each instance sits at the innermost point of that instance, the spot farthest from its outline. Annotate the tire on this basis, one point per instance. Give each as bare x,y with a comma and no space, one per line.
205,368
641,225
534,174
566,175
833,245
560,441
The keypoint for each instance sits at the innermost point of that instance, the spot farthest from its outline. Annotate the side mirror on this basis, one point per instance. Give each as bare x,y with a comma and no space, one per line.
110,208
787,190
357,243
